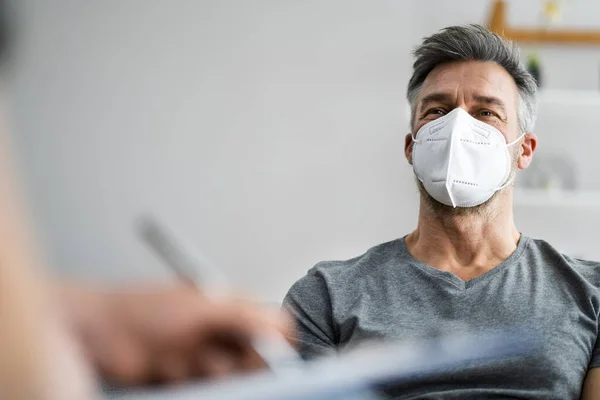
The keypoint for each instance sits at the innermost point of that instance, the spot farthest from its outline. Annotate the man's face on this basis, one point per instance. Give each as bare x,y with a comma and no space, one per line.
486,91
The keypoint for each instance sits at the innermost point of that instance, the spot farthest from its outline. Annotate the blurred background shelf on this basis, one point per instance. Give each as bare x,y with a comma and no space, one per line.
556,198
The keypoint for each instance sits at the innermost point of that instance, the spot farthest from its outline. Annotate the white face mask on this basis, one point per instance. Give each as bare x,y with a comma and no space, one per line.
461,161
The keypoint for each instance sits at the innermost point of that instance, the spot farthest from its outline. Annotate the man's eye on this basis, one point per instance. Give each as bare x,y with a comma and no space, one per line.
487,113
435,111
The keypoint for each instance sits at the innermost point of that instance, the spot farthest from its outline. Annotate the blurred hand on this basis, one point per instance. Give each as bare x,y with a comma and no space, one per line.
166,334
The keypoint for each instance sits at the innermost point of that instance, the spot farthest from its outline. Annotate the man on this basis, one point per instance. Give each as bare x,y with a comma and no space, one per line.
465,267
53,335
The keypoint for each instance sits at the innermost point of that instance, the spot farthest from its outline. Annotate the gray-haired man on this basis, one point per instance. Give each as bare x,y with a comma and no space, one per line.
465,266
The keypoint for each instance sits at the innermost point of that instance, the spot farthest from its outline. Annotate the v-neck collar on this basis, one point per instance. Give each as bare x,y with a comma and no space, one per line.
455,280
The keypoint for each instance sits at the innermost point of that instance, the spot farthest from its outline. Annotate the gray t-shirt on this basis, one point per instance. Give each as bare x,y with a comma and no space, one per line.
386,293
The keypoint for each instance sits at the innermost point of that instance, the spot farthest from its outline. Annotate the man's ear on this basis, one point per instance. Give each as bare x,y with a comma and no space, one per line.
408,147
527,149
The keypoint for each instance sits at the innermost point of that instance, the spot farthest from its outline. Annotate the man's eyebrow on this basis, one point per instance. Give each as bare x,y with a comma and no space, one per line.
436,98
446,98
491,100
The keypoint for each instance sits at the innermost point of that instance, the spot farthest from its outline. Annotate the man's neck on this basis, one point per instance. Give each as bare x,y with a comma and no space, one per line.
466,245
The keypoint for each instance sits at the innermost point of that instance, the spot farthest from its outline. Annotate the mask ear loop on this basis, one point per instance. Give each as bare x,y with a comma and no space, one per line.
415,140
516,140
508,182
511,180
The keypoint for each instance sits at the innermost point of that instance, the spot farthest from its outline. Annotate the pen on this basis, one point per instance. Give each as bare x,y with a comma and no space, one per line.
201,274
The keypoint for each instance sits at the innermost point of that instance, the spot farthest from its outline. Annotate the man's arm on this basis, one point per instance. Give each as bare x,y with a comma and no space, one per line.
591,385
309,304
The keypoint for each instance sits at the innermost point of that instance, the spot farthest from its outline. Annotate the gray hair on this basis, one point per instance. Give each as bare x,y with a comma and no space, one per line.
474,42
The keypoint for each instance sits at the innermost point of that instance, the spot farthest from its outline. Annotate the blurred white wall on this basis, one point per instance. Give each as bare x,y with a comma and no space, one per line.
269,132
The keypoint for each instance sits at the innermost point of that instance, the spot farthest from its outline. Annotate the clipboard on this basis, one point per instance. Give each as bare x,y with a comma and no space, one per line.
359,373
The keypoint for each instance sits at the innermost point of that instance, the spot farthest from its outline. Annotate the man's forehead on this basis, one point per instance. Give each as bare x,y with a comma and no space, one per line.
470,78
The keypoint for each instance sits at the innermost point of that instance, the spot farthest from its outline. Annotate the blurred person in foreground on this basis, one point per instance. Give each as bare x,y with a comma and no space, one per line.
466,266
55,336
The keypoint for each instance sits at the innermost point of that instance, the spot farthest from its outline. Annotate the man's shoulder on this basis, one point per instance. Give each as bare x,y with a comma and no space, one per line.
342,276
589,269
372,258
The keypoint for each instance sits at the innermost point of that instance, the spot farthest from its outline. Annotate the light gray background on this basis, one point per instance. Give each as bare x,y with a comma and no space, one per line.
270,133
